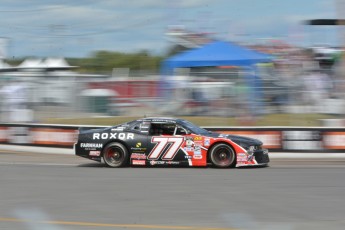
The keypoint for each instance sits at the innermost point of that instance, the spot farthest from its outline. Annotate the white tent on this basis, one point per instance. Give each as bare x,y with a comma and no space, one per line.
45,64
31,63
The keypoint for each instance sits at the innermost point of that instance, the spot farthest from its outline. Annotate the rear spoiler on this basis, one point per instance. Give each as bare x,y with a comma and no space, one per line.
82,129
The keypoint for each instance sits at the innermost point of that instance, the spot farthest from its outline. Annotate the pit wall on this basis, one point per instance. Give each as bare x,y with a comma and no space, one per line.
279,139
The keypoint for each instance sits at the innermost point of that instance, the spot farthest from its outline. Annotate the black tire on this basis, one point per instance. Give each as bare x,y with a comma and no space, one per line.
222,156
115,155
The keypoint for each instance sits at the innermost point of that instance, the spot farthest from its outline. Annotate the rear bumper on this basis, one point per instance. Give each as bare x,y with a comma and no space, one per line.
82,152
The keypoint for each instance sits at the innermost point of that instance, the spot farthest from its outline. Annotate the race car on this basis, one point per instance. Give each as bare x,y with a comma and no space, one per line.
160,141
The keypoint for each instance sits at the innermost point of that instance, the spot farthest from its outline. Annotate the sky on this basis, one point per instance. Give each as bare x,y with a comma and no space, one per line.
78,28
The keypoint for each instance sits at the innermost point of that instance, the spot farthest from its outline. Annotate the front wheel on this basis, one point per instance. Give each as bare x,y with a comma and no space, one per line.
115,155
222,156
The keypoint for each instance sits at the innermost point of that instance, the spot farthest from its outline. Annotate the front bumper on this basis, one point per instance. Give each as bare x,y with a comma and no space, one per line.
261,156
256,158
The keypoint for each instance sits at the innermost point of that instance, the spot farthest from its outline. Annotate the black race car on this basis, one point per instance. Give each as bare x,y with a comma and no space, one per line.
167,142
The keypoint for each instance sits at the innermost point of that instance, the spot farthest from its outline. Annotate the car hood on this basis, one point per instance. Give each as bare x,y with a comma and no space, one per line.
241,140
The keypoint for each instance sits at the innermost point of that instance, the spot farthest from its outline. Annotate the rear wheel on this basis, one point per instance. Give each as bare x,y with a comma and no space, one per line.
222,156
115,155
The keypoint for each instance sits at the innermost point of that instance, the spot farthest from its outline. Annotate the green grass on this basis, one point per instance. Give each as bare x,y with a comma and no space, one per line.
267,120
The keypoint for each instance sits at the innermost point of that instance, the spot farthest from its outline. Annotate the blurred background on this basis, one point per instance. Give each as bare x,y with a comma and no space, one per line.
224,62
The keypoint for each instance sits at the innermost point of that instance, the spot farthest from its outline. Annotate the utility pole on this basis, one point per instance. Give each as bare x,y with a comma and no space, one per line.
340,10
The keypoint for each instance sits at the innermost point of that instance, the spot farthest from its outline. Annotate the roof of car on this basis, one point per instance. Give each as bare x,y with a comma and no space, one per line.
160,119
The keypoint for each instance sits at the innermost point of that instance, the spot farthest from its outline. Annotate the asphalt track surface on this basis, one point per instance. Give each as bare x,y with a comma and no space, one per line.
64,192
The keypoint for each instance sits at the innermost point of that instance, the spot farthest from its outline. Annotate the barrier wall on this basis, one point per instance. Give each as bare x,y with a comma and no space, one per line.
282,139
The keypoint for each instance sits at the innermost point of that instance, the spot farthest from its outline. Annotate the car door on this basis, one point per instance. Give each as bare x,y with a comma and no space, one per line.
164,146
194,147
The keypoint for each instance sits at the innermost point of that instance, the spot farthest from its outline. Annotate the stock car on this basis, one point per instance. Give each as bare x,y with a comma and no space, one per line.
162,141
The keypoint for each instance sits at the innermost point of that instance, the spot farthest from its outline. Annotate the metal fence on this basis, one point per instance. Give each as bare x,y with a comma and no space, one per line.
36,97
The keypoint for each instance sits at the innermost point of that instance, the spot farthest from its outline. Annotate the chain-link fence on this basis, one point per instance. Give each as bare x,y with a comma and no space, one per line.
36,98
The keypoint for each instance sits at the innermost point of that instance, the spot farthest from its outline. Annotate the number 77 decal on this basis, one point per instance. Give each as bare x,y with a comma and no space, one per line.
162,142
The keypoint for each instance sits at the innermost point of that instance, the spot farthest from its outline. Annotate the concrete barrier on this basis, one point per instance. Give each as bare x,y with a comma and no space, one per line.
276,139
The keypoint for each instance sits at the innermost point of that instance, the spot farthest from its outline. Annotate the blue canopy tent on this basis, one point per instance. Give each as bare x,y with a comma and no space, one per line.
218,53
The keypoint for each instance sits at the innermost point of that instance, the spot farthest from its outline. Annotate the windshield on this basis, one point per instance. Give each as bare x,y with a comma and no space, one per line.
193,128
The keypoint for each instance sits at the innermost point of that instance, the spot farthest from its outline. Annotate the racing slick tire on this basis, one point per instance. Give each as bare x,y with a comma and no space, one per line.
115,155
222,156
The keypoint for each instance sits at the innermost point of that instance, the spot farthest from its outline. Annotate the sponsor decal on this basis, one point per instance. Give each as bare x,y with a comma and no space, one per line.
197,150
198,138
207,142
138,156
189,143
172,163
138,162
157,162
138,148
188,149
105,136
198,157
242,157
198,143
91,145
95,153
187,157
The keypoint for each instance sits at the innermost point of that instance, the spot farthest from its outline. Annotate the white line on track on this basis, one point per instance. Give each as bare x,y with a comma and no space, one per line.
126,226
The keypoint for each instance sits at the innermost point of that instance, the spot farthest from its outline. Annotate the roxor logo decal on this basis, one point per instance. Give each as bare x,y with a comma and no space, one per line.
105,136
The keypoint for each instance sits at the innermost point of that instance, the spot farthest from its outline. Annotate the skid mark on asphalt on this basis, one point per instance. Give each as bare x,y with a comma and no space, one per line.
133,226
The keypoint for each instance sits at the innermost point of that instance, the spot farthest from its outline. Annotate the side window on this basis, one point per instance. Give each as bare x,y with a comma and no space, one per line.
158,129
142,127
169,129
181,131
